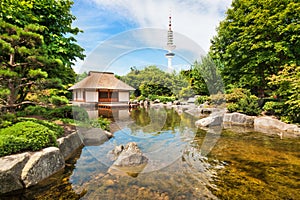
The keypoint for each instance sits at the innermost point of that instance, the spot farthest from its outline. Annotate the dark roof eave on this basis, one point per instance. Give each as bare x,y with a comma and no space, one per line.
102,88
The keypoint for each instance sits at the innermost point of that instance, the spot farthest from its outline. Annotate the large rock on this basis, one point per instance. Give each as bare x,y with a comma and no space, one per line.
238,119
67,145
131,156
215,119
41,165
271,123
10,171
191,100
130,160
94,136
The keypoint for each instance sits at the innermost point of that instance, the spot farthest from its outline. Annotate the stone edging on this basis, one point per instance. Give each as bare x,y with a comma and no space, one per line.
23,170
262,124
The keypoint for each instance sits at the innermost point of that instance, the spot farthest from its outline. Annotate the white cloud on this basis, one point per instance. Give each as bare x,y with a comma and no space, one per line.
196,19
193,22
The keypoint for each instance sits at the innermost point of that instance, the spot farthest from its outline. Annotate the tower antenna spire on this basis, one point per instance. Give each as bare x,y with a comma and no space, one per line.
170,46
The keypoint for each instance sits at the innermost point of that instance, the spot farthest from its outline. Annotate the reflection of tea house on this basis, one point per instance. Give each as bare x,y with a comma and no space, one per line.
101,88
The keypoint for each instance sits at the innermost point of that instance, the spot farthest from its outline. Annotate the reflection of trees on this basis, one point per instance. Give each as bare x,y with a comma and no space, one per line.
173,120
140,116
154,120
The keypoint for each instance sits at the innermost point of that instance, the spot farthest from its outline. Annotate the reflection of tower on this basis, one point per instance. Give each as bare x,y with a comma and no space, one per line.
170,46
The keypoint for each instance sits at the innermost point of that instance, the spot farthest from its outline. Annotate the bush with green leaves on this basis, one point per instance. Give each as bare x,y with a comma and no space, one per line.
58,100
35,110
58,130
186,92
25,136
162,99
101,122
273,108
242,101
247,105
201,99
141,98
7,119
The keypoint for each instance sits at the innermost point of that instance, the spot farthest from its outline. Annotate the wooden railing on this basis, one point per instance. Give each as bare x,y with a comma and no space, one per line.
108,99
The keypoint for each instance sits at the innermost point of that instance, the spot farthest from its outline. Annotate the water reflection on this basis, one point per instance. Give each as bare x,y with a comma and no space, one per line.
242,164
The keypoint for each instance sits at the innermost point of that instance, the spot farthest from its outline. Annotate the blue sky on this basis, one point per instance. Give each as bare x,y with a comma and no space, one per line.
119,34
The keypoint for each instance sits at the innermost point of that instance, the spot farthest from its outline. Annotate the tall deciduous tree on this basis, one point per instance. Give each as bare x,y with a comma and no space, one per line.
257,38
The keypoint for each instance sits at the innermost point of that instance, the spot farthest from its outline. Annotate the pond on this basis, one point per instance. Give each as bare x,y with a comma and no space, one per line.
184,163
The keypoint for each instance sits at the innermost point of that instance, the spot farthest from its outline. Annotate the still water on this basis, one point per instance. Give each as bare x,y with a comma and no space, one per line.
184,163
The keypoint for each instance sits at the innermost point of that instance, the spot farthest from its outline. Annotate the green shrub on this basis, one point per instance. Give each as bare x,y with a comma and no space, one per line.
101,122
163,99
232,107
59,131
7,119
35,110
235,94
247,105
201,99
25,136
58,100
242,101
273,108
141,98
186,92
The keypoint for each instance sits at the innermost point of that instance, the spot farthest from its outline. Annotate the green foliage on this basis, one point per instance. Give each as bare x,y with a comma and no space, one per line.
242,101
154,89
255,40
141,98
59,100
287,84
70,112
53,21
235,94
162,99
36,48
186,92
101,122
82,76
7,119
202,99
274,108
25,136
58,131
204,77
35,110
154,81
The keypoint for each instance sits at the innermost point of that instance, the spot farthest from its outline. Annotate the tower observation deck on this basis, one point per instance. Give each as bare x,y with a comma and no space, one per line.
170,46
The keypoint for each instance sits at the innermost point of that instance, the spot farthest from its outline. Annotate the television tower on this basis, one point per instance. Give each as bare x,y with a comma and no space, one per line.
170,46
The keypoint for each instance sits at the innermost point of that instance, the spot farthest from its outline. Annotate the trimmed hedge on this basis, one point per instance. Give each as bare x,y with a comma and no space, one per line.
25,136
58,130
163,99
